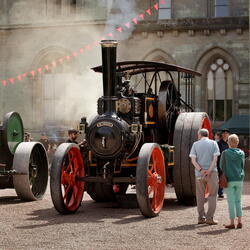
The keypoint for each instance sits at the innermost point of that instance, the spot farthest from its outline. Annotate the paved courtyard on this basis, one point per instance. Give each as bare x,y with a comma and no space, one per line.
36,225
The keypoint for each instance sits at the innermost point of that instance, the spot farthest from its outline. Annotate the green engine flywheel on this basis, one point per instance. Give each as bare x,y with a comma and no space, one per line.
13,132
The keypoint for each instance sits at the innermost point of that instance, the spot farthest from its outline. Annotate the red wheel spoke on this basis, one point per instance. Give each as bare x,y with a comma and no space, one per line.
155,166
76,167
150,173
66,192
154,162
153,204
151,189
70,160
151,180
75,192
151,167
65,178
154,157
154,200
65,168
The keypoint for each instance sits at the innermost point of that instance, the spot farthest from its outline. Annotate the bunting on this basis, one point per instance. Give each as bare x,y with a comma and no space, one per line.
80,51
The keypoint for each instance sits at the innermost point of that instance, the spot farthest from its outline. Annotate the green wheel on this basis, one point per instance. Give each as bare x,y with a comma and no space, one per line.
13,133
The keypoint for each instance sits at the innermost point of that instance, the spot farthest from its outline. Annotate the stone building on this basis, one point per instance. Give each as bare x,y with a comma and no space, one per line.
48,46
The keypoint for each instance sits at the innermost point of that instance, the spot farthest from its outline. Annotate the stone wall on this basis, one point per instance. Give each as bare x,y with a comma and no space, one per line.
186,43
37,47
25,12
30,36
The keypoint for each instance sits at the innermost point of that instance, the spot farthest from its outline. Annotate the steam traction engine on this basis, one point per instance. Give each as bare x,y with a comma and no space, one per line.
140,114
23,165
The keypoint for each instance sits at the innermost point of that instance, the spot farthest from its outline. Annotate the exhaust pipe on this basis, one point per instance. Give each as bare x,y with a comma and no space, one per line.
109,74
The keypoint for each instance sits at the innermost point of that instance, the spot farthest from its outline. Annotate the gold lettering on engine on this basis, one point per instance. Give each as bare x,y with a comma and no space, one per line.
104,124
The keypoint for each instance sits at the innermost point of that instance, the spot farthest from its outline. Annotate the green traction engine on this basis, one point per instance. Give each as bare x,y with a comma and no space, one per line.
23,165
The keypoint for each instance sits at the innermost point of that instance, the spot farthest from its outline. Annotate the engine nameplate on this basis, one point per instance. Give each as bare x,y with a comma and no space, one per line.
104,124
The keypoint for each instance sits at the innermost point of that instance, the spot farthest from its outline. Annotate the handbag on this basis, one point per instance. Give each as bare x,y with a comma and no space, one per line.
222,181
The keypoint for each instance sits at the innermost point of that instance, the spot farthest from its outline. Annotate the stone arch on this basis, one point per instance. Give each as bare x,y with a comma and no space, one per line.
208,56
45,57
159,55
202,66
53,53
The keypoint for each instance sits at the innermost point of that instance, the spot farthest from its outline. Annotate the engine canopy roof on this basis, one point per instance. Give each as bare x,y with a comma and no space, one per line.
138,67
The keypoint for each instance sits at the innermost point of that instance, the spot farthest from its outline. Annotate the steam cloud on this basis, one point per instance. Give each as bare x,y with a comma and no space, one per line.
75,94
120,12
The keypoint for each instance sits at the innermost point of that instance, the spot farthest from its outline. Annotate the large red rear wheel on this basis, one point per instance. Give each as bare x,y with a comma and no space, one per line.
65,187
150,179
185,134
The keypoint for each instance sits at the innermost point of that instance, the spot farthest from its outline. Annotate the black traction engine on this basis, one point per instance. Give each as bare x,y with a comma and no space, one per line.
141,135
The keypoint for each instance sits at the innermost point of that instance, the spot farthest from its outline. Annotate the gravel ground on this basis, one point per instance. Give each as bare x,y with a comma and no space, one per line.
36,225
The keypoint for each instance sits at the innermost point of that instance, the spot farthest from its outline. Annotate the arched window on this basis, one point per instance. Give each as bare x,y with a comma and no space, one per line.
52,89
219,90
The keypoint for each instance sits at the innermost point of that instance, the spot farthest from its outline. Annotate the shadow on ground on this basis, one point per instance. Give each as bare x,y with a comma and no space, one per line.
8,200
89,212
192,227
92,212
214,232
189,227
246,208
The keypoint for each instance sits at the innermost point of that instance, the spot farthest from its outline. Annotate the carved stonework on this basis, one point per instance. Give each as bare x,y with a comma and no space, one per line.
144,34
195,24
191,32
206,32
239,31
223,32
160,34
175,33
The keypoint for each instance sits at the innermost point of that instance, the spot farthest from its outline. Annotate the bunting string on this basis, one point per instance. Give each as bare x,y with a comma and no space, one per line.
120,29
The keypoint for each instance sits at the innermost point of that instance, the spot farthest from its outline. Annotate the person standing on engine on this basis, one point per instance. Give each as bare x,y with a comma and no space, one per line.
204,154
222,143
72,137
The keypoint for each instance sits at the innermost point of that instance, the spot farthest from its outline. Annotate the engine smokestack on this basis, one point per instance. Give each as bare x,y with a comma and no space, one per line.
109,74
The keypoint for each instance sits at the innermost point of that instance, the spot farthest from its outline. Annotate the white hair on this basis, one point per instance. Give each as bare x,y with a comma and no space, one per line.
203,132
